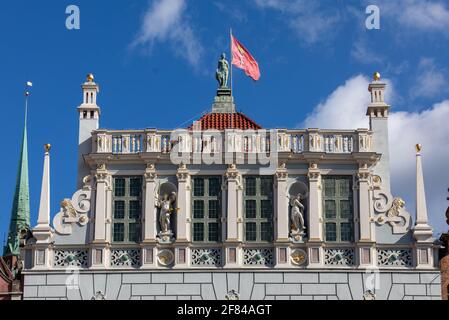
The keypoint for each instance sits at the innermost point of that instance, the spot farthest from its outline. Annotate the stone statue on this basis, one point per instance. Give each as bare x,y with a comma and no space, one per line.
166,206
297,216
222,73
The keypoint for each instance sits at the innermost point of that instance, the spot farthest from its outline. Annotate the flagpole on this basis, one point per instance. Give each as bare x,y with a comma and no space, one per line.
230,47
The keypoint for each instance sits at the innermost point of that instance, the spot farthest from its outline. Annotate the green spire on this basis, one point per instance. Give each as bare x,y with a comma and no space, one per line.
20,213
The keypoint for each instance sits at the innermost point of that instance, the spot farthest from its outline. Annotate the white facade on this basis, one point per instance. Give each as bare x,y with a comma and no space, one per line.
354,231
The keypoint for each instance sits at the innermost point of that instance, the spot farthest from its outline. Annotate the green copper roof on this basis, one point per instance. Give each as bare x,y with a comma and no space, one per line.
20,213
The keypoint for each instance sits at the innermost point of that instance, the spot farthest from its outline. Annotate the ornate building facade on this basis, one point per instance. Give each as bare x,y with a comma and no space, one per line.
225,209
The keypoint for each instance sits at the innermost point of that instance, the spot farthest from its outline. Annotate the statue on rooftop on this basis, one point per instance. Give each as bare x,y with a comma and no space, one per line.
222,73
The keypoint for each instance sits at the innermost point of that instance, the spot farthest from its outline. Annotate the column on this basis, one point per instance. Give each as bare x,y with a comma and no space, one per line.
150,212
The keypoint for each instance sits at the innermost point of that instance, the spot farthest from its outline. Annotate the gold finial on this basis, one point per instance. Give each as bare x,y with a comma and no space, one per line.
418,147
47,147
90,77
376,76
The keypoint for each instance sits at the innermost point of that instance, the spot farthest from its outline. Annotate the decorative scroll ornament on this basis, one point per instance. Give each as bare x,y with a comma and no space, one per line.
390,210
75,210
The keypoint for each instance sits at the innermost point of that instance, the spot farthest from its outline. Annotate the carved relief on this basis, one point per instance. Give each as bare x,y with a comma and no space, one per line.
75,210
339,257
390,210
206,257
258,257
394,258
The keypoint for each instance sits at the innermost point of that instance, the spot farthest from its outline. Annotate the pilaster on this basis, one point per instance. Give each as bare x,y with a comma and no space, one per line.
183,217
150,204
102,177
315,251
365,226
232,176
282,214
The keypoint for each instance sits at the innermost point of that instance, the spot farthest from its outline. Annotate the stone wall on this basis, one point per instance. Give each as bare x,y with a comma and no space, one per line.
256,285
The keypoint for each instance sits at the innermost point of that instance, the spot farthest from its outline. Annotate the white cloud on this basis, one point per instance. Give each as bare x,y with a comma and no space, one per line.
312,22
417,14
364,54
166,21
345,108
430,82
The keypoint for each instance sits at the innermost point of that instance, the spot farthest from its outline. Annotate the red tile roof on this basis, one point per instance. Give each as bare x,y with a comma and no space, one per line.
221,121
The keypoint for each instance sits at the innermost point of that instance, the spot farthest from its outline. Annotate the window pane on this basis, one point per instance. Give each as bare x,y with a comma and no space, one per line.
330,209
119,187
266,186
329,187
345,209
119,232
119,209
134,209
134,232
198,187
250,186
346,231
198,209
331,232
265,231
198,232
213,209
343,186
250,209
214,187
266,209
251,231
135,187
213,232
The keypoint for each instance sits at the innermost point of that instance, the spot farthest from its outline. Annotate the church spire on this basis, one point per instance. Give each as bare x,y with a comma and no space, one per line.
20,213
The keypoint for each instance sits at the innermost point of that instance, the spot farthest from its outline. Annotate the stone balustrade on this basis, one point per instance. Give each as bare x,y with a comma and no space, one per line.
236,141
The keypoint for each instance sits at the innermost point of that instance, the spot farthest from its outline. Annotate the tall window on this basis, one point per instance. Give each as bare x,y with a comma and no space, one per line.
338,208
206,209
127,209
258,208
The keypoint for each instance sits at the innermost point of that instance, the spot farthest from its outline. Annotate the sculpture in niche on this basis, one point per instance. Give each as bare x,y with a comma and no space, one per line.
297,218
75,210
166,205
390,209
298,192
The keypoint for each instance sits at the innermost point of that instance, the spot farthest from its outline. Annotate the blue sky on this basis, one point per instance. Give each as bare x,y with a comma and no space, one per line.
155,63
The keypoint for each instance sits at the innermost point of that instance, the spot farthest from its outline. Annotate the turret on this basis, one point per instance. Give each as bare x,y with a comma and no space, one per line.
378,114
89,116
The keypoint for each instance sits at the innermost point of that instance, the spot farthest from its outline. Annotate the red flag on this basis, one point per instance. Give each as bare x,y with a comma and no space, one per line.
242,59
